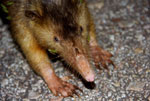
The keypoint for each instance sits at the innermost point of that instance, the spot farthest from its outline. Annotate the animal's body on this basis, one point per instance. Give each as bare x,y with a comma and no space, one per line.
65,26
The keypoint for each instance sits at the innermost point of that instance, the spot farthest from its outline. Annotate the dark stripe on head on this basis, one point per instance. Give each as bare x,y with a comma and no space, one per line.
63,13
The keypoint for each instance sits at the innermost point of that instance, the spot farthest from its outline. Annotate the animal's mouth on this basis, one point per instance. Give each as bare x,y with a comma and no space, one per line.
84,68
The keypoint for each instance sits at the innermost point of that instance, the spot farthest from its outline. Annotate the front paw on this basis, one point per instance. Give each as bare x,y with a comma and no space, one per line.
63,88
101,57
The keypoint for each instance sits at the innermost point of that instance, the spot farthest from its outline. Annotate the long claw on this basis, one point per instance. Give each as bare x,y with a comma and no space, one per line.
104,65
112,63
76,93
78,88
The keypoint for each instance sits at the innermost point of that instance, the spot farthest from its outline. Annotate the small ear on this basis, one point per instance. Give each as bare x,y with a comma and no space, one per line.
31,14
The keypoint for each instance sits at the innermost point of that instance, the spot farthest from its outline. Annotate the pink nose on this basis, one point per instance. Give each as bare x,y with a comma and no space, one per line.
90,77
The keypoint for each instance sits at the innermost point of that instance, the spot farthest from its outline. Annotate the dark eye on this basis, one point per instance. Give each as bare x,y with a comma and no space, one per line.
31,14
81,29
56,39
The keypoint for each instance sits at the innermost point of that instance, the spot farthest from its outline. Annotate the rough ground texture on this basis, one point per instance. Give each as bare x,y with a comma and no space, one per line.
123,28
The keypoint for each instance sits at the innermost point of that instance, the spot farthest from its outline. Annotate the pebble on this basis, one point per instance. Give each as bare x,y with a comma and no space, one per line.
22,91
112,37
125,24
136,86
33,95
139,37
123,95
109,94
138,50
97,5
124,2
2,52
4,82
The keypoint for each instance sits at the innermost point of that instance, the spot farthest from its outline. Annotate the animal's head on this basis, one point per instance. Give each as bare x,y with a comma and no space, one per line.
62,25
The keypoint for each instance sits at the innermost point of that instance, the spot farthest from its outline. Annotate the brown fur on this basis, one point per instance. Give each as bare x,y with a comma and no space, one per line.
63,25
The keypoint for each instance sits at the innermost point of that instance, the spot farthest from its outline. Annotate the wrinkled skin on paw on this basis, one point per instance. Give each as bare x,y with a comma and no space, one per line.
101,56
62,88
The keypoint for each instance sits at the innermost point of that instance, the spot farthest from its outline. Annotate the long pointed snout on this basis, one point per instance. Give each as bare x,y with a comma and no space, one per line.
84,68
